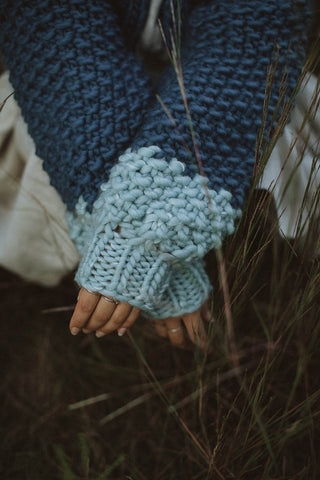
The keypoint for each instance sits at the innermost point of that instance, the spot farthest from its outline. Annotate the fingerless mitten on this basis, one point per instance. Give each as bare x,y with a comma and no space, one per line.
155,194
142,216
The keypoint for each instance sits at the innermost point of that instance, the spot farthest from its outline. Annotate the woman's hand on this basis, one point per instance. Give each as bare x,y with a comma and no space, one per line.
103,315
192,324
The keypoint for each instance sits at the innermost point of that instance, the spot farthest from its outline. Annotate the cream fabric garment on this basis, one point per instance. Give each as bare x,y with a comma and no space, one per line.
292,173
34,240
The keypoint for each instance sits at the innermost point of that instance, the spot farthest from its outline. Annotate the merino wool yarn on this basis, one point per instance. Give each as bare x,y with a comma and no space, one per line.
124,162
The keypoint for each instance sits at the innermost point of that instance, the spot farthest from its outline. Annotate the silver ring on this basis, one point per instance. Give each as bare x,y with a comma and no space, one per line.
174,330
111,299
90,291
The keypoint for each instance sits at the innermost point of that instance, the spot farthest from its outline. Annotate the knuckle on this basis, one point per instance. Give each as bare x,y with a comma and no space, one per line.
117,319
98,318
130,320
85,305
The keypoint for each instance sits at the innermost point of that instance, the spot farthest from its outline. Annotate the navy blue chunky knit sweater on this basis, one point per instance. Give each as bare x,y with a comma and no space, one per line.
139,212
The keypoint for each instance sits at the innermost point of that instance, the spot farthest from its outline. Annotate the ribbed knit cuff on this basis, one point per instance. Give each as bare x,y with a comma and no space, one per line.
144,279
188,289
148,233
126,272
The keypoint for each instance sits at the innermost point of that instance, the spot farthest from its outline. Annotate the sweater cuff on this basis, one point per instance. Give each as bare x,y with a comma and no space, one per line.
148,232
144,279
189,287
129,273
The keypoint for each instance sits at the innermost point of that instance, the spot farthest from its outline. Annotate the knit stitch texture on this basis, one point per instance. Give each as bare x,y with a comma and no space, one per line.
150,218
82,92
86,99
227,51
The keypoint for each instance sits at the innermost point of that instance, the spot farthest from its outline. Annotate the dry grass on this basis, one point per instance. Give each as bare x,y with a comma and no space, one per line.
82,408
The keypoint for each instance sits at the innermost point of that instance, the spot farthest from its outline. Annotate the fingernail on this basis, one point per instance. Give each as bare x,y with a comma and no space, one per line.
121,331
85,330
100,334
75,330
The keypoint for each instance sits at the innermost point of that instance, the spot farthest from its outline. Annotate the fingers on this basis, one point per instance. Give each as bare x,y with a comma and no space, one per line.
132,317
94,313
118,316
102,313
86,304
161,328
206,312
175,332
178,329
195,328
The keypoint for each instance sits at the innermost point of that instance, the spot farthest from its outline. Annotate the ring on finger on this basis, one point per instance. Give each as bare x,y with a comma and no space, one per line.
90,291
174,330
97,294
110,299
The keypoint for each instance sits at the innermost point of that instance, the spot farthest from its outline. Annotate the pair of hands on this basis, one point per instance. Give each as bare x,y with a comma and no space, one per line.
93,313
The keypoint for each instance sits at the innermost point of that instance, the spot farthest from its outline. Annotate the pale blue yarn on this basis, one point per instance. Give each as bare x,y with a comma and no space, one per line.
80,223
156,261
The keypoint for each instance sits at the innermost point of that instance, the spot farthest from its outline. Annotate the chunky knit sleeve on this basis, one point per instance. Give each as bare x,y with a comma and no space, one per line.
157,217
81,90
139,212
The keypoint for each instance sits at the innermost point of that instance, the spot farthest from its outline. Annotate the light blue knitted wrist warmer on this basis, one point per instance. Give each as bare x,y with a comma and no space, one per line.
86,99
149,230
